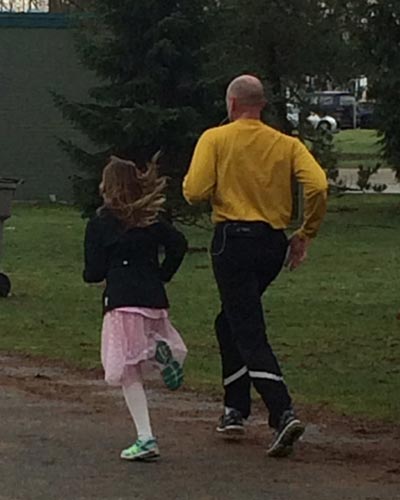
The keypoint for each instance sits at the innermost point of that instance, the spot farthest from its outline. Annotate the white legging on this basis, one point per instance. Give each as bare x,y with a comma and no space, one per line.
136,400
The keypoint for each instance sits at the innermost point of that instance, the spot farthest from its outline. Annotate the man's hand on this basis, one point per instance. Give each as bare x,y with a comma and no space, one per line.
297,252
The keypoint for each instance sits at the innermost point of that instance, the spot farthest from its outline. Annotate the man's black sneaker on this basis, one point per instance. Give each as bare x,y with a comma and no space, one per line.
231,424
289,431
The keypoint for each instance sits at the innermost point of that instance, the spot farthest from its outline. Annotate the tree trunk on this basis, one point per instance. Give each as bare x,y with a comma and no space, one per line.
56,6
60,6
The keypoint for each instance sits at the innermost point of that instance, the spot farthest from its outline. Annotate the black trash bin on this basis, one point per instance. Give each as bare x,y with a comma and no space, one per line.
7,191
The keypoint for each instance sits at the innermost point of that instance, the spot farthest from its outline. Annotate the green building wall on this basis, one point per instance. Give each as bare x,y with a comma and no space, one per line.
37,55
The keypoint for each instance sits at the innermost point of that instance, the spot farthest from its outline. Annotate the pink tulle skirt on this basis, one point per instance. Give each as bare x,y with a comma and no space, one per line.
128,343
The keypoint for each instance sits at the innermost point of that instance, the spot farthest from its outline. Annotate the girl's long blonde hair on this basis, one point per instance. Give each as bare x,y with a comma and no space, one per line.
134,196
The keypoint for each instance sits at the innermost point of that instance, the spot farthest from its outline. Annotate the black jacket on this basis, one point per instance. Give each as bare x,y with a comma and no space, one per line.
129,261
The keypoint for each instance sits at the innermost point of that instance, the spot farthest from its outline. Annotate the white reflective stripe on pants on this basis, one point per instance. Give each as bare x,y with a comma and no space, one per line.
236,376
266,375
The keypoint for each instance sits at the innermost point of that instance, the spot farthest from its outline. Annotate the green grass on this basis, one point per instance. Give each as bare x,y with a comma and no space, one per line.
333,323
358,141
358,147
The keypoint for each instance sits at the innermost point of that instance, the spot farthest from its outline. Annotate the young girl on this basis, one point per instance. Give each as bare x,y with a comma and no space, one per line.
122,246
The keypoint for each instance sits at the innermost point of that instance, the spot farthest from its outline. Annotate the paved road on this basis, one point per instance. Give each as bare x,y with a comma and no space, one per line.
384,176
60,435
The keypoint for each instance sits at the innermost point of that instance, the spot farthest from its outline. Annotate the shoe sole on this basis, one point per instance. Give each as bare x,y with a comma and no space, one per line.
171,367
283,446
149,456
231,432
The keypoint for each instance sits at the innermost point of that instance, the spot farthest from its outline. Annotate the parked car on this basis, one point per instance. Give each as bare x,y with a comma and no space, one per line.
317,121
342,106
293,114
325,122
366,114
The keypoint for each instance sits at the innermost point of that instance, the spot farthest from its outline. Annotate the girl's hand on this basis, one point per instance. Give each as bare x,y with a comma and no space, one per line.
102,284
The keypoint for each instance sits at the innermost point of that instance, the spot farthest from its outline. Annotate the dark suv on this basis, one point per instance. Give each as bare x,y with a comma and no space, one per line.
341,105
366,114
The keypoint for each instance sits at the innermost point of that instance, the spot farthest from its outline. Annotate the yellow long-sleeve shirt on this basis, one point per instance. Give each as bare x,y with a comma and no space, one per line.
246,169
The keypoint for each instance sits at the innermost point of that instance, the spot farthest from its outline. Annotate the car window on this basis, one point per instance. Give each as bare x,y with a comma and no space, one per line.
326,100
347,100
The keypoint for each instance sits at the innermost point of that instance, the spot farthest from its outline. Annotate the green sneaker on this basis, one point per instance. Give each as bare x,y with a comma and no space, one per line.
172,373
142,450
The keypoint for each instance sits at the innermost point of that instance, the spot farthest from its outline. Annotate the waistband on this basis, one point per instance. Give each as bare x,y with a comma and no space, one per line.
246,228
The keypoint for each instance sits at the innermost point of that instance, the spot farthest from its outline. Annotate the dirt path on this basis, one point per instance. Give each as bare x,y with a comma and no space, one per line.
61,431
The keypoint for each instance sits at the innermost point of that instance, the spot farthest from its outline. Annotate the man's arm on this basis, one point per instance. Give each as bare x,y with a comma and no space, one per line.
309,173
201,178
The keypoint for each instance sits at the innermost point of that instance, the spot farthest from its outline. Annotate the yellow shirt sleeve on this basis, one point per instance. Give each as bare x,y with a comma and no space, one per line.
309,173
200,180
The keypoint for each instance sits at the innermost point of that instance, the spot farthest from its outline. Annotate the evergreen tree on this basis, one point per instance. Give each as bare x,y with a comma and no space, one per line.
285,41
380,38
149,56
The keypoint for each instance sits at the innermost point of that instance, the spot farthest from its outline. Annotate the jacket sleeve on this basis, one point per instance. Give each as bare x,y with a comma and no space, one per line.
200,180
175,246
309,173
95,254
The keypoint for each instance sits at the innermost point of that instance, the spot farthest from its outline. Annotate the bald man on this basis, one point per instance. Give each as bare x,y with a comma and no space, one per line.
245,169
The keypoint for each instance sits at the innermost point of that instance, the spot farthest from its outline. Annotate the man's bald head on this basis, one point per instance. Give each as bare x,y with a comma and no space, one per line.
245,98
247,90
